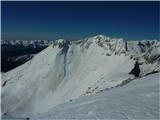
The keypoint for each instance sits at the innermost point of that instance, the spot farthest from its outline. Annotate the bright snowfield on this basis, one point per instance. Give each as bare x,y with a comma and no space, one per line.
67,70
137,100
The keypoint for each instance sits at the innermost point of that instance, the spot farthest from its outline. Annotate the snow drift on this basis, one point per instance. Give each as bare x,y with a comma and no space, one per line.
67,70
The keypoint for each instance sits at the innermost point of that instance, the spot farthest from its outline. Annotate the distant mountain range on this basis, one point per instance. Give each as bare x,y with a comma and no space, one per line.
17,52
21,44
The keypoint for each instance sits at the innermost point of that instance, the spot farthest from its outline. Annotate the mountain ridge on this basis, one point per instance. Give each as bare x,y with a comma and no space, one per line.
67,70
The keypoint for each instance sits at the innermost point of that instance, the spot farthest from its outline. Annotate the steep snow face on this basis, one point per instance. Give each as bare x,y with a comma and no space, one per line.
67,70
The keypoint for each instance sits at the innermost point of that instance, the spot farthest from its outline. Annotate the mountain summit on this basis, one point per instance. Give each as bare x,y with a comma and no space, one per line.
67,70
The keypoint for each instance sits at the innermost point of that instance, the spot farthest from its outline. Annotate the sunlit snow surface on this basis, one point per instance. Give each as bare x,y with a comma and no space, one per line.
138,99
58,75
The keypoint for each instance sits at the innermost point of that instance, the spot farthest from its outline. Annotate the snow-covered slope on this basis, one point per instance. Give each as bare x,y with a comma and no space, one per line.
138,99
67,70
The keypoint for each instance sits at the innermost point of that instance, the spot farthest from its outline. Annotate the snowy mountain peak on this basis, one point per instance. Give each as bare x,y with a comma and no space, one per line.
67,70
101,37
61,40
104,38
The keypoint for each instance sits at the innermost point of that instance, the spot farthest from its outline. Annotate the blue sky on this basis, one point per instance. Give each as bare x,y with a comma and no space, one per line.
76,20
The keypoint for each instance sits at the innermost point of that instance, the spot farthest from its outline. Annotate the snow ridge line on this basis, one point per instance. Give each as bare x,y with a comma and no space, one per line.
124,82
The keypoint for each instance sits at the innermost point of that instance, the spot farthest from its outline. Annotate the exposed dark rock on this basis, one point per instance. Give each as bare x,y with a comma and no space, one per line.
4,83
64,45
126,47
88,45
131,56
27,118
148,43
152,59
136,70
124,82
107,54
142,46
99,43
5,113
152,72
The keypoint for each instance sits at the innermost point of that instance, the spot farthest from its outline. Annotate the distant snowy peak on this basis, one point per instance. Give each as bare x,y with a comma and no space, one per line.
116,46
61,41
26,43
100,40
105,38
145,51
